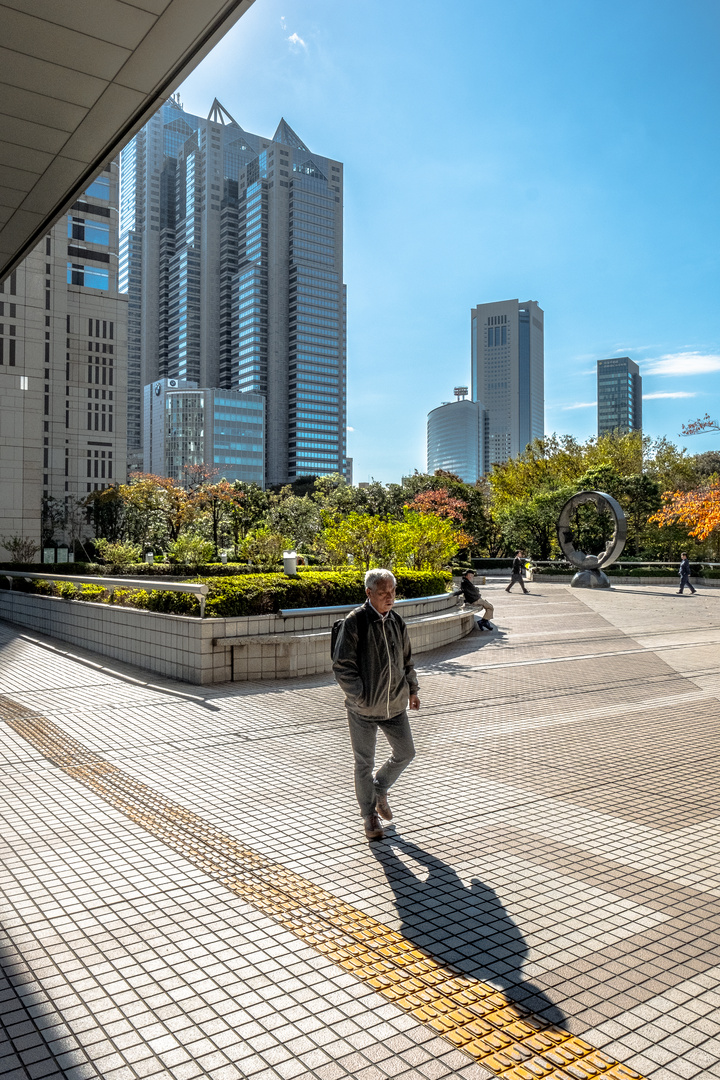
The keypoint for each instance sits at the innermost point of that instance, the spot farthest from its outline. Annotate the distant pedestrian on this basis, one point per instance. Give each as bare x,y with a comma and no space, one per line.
472,596
373,664
517,572
684,573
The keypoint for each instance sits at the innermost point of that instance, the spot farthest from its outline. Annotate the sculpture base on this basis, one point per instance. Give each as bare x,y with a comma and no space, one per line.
590,579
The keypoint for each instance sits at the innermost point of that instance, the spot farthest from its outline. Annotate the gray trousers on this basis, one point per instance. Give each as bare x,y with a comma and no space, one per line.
514,580
363,737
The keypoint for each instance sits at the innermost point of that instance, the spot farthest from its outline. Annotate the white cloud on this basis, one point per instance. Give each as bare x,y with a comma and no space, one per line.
350,428
678,393
628,350
295,39
580,405
684,363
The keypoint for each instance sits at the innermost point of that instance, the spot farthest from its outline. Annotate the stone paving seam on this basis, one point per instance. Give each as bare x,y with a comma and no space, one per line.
474,1017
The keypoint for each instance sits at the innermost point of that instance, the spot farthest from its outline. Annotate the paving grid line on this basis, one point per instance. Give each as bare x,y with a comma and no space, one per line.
473,1016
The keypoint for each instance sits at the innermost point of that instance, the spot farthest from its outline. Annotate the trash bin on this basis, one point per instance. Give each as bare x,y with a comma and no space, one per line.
290,563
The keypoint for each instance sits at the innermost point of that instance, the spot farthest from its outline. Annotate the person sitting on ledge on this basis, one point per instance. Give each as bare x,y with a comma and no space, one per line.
473,599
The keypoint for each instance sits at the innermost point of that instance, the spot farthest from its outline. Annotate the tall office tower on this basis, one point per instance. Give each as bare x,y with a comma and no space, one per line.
232,257
619,395
507,353
457,434
186,425
62,369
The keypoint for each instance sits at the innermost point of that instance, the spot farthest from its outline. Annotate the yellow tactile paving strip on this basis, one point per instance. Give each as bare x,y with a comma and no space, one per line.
477,1019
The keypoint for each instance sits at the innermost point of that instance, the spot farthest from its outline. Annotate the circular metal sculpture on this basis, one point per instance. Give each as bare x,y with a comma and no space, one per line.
590,575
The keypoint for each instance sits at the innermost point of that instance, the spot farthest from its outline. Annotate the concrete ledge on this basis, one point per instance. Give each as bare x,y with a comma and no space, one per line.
206,651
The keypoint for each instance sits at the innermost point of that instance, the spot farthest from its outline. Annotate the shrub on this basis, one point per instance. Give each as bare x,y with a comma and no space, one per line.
264,548
191,550
22,549
258,594
118,552
93,593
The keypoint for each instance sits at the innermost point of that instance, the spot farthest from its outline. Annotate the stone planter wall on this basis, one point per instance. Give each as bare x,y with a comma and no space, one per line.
206,651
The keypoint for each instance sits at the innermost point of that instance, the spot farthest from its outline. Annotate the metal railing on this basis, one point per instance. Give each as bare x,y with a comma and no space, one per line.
340,609
111,584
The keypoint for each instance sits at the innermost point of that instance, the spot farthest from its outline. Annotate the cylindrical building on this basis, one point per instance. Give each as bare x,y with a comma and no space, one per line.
456,439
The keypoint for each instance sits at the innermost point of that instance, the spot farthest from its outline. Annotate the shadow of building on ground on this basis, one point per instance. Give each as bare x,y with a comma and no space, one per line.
466,927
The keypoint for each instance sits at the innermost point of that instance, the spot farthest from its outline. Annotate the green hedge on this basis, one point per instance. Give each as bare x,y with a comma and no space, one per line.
256,594
157,569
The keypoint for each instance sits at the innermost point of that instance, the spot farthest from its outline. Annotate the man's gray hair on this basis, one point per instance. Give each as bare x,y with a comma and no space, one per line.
374,577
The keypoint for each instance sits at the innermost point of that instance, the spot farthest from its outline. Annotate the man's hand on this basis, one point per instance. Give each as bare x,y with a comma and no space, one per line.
414,702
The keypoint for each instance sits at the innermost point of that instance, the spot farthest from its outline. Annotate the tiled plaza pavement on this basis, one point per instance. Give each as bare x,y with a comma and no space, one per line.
188,892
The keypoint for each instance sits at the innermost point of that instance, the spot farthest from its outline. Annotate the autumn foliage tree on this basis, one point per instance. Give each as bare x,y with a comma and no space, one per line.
696,427
439,502
698,510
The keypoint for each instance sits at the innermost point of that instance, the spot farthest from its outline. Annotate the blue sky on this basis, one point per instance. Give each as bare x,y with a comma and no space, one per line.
564,151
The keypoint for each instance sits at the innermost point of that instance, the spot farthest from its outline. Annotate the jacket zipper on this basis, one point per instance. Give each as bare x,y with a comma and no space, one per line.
387,646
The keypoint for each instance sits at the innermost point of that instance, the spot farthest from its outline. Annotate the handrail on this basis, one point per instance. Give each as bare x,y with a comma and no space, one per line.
338,609
196,588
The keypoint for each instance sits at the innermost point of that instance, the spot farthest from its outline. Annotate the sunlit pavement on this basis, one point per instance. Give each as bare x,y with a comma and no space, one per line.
187,890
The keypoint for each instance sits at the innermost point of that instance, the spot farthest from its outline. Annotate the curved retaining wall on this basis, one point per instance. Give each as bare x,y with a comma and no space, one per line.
206,651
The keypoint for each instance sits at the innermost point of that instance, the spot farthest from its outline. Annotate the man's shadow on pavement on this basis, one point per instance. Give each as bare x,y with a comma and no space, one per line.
466,927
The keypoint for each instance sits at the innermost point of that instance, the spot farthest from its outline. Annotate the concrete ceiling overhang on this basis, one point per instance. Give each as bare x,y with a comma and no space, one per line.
78,78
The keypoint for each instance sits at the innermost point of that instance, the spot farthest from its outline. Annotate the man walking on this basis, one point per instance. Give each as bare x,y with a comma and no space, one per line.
372,663
684,573
473,599
517,572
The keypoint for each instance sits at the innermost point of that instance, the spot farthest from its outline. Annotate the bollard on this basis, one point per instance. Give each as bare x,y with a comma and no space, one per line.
290,563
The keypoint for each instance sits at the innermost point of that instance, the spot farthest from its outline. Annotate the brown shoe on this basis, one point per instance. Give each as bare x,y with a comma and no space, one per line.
383,807
373,827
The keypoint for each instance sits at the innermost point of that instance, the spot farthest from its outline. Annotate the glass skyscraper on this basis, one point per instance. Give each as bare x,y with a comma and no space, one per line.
619,395
187,425
231,253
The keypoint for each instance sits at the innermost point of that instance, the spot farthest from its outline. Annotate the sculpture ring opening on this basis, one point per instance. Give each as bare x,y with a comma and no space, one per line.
590,566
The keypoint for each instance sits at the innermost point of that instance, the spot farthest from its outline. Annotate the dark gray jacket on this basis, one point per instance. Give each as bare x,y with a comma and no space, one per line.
375,669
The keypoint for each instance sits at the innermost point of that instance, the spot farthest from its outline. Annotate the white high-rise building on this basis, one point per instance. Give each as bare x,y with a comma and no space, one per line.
507,356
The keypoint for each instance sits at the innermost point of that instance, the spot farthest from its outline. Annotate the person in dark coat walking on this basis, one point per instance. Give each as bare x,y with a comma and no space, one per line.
517,572
684,573
373,664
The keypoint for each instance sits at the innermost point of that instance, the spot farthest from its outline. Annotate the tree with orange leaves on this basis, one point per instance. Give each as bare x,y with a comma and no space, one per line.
440,503
698,510
705,423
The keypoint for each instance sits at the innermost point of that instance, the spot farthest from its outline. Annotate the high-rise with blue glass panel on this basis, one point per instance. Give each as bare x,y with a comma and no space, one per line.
619,395
231,253
507,362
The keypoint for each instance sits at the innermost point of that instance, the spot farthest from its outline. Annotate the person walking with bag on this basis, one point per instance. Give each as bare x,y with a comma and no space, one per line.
684,573
517,572
373,665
